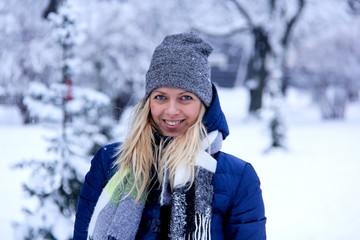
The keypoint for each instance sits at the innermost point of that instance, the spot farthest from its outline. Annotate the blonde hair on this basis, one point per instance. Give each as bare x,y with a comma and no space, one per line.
139,152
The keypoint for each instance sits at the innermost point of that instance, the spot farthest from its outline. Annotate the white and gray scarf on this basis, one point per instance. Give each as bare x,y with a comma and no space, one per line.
118,218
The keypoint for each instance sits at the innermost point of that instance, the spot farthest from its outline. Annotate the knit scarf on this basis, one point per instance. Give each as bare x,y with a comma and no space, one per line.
116,217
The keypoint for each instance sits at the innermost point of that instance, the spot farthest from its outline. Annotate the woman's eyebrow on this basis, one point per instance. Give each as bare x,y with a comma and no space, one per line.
160,92
186,92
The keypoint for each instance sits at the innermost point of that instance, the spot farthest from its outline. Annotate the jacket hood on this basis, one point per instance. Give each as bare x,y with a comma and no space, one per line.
214,118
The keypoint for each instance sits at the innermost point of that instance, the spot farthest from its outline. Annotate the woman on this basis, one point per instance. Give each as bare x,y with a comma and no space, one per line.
169,179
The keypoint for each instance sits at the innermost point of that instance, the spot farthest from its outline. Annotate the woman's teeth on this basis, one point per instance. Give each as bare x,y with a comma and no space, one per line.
172,123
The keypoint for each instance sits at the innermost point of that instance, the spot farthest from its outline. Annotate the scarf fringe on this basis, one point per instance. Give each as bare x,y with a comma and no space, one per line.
203,229
203,225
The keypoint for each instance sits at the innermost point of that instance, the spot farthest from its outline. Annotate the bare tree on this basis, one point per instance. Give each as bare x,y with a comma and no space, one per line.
270,24
271,37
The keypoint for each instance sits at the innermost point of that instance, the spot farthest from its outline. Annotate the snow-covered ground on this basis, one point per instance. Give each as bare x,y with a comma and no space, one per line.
311,190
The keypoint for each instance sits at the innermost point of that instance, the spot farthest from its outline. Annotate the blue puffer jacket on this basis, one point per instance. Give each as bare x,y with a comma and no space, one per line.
238,209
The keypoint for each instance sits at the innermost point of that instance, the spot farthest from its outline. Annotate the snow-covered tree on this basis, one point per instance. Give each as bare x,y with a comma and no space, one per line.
27,52
55,182
328,64
270,24
81,123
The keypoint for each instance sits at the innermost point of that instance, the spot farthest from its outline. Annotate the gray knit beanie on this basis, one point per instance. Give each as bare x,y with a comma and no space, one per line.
181,61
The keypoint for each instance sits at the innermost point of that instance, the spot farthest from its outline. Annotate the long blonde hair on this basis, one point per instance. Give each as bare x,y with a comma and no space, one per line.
139,152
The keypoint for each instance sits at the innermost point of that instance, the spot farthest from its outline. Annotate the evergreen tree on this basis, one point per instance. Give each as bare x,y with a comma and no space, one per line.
81,122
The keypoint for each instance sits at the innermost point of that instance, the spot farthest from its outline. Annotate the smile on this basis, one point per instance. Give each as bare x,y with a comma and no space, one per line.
172,123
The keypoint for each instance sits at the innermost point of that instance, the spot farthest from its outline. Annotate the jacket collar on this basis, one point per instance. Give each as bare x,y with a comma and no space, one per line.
214,118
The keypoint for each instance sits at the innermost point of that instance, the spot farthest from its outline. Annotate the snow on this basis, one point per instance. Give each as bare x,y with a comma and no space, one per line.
17,143
310,189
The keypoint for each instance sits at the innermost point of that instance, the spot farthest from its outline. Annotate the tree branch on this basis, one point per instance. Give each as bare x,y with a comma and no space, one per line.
272,5
354,6
243,12
291,23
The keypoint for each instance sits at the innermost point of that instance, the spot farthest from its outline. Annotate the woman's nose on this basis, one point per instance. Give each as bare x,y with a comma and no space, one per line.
173,108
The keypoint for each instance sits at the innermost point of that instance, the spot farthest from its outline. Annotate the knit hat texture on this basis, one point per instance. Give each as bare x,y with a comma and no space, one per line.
181,61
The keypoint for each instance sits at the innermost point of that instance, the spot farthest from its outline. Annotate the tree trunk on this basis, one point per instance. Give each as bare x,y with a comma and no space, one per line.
257,72
51,8
26,118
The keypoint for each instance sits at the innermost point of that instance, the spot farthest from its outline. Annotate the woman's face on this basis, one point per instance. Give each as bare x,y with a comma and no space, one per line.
174,110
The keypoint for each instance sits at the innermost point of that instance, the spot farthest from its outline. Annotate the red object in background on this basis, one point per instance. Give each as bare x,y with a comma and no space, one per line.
69,92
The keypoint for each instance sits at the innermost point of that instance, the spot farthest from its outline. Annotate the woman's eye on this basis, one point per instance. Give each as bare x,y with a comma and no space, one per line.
187,97
159,97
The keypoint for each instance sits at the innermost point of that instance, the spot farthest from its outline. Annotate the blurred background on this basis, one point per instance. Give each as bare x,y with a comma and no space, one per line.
288,74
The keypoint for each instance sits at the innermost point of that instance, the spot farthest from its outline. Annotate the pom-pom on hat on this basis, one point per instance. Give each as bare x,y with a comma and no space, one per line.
181,61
